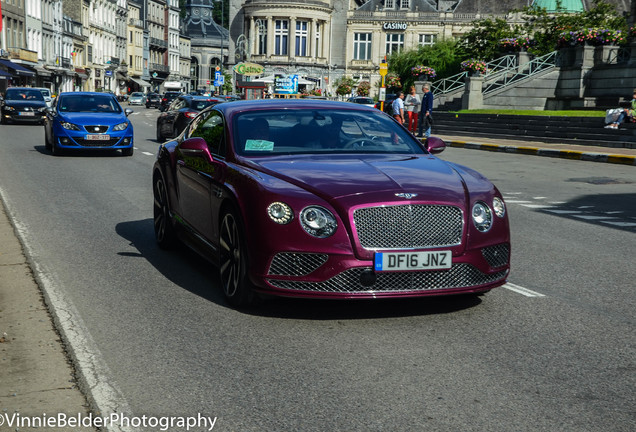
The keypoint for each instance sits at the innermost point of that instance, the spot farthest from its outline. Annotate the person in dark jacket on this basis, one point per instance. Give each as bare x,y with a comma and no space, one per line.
426,114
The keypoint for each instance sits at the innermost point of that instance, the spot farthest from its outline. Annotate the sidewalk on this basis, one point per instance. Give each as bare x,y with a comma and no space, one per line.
590,153
36,376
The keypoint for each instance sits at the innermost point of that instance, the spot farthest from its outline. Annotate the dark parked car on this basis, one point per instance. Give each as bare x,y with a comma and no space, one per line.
23,104
167,99
184,108
390,97
153,100
322,199
88,120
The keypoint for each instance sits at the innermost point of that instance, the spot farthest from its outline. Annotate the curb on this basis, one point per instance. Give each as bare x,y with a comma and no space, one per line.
537,151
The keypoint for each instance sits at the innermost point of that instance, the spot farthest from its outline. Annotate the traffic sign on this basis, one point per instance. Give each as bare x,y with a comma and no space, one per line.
384,68
221,80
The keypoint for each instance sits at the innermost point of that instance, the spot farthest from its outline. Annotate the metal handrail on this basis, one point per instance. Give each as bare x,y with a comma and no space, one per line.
508,76
457,81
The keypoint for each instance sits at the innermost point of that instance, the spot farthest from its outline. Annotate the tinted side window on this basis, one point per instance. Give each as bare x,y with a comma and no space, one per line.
210,127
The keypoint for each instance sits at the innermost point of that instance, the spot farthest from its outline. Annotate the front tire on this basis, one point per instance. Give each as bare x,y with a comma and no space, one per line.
127,151
233,262
160,137
164,230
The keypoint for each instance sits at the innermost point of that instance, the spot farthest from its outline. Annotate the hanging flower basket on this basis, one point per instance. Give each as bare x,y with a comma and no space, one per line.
516,44
392,81
363,88
423,72
474,65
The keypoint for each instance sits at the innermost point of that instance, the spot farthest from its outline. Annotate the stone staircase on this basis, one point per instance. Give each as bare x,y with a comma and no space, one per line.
564,130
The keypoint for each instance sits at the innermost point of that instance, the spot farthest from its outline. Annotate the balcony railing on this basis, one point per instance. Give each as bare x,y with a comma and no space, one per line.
159,67
158,43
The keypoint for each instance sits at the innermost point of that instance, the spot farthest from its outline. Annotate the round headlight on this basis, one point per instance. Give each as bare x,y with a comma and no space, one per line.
482,217
280,213
498,206
318,221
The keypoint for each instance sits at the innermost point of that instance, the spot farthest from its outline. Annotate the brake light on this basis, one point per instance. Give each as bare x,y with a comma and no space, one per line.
190,114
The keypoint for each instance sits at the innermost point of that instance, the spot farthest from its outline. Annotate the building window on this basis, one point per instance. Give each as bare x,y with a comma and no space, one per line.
301,38
389,4
261,34
362,46
281,37
394,42
427,39
405,4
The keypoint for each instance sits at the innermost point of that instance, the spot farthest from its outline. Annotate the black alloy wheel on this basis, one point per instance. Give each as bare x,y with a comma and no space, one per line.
164,231
233,262
160,138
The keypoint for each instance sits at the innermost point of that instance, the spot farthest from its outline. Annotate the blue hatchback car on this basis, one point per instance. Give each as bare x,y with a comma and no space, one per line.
88,120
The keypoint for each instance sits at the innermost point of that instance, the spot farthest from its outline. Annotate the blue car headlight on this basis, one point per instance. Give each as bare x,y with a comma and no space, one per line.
9,108
120,126
70,126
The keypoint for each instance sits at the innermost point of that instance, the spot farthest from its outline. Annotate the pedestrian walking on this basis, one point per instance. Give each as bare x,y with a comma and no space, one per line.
412,108
426,114
398,107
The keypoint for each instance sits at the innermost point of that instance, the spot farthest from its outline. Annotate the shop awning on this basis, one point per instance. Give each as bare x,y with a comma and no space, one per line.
40,70
4,75
141,82
17,69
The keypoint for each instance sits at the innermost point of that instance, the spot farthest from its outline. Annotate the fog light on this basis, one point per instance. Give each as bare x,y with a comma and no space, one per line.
367,278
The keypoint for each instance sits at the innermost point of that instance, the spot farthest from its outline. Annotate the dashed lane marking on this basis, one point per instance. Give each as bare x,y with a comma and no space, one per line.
523,291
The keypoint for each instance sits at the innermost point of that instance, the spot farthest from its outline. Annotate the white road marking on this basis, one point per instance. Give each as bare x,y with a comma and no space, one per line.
538,198
148,153
516,201
564,211
592,217
618,223
537,206
523,291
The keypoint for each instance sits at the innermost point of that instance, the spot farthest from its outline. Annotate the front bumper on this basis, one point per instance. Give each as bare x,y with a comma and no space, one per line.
77,140
329,276
22,117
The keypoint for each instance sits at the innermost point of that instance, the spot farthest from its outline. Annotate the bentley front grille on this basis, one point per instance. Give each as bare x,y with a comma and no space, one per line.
498,255
409,226
296,264
459,276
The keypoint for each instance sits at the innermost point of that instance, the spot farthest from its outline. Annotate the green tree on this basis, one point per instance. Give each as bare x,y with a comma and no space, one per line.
482,42
546,27
443,56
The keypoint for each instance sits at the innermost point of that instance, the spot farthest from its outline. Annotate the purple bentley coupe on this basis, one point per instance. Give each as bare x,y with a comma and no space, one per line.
311,198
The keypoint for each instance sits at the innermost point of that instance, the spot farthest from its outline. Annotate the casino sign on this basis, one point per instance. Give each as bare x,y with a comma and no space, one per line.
249,69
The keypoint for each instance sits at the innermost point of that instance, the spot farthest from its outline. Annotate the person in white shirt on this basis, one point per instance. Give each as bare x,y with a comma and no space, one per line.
398,107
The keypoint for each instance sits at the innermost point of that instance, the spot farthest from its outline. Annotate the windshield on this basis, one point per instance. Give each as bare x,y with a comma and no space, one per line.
88,103
46,93
24,94
137,95
261,133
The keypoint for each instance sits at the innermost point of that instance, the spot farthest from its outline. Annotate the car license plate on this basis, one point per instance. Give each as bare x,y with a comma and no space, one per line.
413,261
95,137
26,113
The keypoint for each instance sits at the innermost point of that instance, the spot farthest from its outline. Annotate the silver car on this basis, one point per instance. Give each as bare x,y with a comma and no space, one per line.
137,98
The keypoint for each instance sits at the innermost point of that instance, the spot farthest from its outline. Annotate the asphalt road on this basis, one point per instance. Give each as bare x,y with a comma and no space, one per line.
553,350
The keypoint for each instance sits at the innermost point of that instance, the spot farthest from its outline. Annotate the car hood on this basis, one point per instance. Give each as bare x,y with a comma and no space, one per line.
25,103
352,180
82,118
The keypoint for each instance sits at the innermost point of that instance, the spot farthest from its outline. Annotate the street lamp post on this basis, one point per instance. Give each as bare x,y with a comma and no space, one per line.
222,36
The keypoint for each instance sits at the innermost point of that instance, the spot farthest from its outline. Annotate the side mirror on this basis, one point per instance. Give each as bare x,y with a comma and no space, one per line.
128,111
435,145
196,147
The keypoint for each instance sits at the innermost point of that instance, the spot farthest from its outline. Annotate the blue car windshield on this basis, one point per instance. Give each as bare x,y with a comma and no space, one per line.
88,103
300,131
